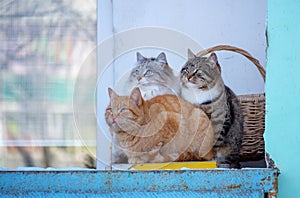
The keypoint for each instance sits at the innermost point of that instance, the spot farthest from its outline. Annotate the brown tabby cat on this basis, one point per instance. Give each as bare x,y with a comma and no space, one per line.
203,86
163,129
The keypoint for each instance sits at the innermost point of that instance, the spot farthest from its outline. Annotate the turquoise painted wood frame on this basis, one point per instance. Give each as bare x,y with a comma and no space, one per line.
252,182
181,183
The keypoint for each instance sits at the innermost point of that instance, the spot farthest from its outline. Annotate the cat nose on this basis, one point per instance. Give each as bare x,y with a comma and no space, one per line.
139,78
189,76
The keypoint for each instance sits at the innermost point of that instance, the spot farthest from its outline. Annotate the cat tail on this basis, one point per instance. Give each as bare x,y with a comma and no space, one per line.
206,150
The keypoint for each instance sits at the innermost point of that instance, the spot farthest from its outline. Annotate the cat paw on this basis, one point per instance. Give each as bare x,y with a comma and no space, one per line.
155,149
173,157
135,161
159,145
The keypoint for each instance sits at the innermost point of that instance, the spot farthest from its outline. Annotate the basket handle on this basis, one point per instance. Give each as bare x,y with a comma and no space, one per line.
237,50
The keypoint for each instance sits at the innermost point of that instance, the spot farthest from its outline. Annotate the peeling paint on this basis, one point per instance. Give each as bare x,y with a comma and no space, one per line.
234,186
201,182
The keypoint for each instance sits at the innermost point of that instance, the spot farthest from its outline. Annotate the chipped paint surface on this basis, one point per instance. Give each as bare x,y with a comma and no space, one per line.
195,183
181,194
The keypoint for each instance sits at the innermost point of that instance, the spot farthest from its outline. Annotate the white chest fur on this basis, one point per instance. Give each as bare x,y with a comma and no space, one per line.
197,96
151,90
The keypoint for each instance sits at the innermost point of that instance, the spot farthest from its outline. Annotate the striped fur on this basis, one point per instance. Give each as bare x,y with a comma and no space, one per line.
203,86
164,129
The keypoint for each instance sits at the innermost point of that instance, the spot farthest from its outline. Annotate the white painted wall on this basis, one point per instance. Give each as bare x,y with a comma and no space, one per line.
206,23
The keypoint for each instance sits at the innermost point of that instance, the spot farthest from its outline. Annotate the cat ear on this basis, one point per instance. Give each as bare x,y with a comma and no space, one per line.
140,57
213,59
136,96
111,92
162,58
191,55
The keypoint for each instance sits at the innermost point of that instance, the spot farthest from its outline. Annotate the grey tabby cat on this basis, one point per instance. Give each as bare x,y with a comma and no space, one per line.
154,77
203,86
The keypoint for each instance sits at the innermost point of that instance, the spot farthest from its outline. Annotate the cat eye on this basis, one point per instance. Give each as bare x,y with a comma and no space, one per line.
123,110
185,71
148,73
135,73
199,75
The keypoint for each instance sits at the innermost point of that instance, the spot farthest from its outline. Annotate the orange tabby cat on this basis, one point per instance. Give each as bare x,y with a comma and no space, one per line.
163,129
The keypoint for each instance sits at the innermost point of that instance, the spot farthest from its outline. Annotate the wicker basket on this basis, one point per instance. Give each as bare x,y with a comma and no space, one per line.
253,106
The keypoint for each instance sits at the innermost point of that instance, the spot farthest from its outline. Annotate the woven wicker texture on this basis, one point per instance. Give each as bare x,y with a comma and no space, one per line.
253,106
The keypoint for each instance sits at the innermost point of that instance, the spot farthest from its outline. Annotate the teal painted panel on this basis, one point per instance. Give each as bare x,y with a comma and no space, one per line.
103,182
282,93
